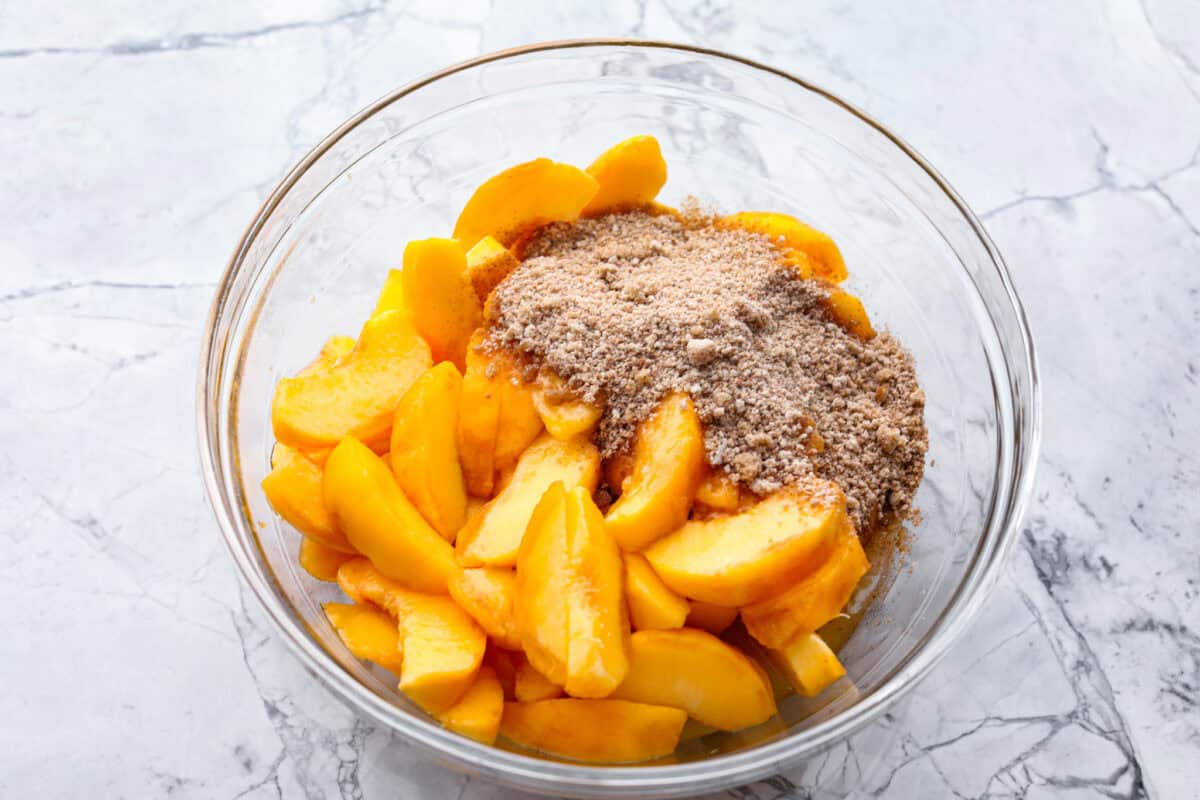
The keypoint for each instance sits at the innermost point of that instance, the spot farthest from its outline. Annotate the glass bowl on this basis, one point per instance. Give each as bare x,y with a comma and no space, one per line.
736,135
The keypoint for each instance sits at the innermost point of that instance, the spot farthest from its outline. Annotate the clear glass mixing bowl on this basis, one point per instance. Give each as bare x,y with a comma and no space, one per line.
737,135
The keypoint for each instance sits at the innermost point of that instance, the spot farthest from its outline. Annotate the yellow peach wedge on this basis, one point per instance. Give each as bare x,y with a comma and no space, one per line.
443,647
749,556
530,685
380,521
630,175
848,312
563,415
320,561
571,611
812,601
440,298
391,296
488,263
652,606
718,491
478,426
522,198
424,449
493,536
792,234
712,681
603,731
293,488
488,595
368,633
504,662
808,663
518,424
712,618
668,465
477,715
357,396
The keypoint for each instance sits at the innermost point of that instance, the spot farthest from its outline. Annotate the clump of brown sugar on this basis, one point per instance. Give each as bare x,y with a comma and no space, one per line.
629,307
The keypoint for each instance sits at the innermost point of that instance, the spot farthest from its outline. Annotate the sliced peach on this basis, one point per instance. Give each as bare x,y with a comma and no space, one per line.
598,645
695,671
478,425
751,555
570,606
531,685
504,662
668,464
493,537
718,491
488,263
564,416
333,352
293,488
391,296
477,715
652,606
848,312
369,634
603,731
320,561
812,601
712,618
443,305
357,396
518,424
380,521
488,595
424,449
522,198
630,174
790,233
808,663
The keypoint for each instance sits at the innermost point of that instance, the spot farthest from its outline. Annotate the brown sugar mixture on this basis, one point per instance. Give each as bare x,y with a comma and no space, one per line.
628,307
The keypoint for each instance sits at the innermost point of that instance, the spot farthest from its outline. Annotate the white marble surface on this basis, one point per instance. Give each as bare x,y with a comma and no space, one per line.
137,139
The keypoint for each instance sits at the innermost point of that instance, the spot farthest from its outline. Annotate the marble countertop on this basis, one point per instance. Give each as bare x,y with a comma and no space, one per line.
139,137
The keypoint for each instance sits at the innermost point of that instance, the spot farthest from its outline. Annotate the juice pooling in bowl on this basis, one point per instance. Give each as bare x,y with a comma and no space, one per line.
601,506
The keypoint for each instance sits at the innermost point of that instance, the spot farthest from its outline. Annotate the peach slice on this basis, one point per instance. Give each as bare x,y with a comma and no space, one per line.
812,601
668,464
598,646
630,175
293,488
808,663
518,424
488,263
848,312
713,682
652,606
493,537
570,595
391,296
381,523
504,662
321,561
368,633
531,685
603,731
357,396
443,647
478,425
751,555
333,352
712,618
563,415
792,234
424,452
477,715
718,491
488,595
522,198
443,305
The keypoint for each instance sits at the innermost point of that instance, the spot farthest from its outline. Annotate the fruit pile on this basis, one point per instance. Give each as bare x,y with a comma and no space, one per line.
453,503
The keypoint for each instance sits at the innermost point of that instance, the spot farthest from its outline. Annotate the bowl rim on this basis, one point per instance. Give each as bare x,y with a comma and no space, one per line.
533,773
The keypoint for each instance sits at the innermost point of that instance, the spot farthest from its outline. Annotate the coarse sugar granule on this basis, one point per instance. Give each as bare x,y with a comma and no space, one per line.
628,307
